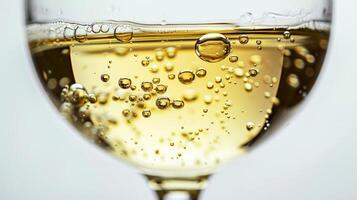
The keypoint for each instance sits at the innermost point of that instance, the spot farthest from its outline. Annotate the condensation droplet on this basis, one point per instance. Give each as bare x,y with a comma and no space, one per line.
186,76
52,83
212,47
169,67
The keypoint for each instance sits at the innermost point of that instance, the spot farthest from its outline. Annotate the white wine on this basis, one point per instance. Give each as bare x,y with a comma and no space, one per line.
175,99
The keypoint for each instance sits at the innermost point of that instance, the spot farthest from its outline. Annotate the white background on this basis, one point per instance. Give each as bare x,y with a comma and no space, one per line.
313,157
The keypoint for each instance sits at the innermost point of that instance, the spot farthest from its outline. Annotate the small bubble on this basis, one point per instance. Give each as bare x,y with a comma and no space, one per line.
123,33
293,80
233,59
310,58
218,79
171,52
156,80
267,79
105,77
145,62
104,28
124,83
80,35
102,98
259,42
207,99
147,86
186,76
256,59
160,89
243,39
154,68
147,96
171,76
274,80
275,101
212,47
238,72
160,55
201,72
253,72
163,102
169,67
267,94
132,98
248,87
190,95
177,104
250,126
287,34
210,85
205,110
172,144
52,83
92,98
146,113
299,63
64,81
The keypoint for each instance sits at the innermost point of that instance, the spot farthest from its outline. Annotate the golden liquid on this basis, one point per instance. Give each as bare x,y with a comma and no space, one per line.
179,102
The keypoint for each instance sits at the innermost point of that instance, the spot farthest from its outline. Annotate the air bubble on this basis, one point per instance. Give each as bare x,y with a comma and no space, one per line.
80,35
123,33
243,39
163,102
190,95
160,89
293,80
253,72
146,113
186,76
248,87
250,126
201,72
171,52
212,47
124,83
233,59
287,34
177,104
146,86
105,77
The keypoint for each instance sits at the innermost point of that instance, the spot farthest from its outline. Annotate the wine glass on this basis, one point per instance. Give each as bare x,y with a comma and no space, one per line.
176,89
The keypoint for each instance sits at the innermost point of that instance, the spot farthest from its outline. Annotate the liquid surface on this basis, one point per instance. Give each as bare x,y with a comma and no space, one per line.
176,102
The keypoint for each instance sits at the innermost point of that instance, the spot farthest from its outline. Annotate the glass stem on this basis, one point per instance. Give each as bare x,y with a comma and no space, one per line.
177,188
